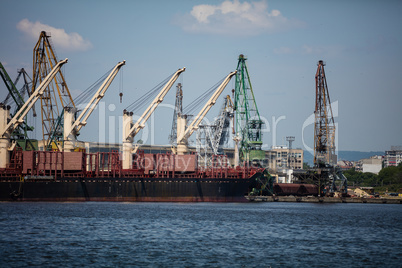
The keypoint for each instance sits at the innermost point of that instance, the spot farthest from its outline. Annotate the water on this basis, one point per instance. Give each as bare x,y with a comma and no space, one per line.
200,235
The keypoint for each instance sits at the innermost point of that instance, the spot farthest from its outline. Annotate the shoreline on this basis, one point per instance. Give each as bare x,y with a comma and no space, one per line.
315,199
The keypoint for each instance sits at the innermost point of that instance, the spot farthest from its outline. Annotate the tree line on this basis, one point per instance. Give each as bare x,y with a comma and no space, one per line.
388,178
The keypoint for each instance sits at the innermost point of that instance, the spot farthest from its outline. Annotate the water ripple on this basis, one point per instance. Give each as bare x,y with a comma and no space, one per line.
200,235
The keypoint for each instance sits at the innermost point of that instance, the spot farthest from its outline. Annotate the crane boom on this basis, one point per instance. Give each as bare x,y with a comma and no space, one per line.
183,134
7,128
71,129
200,116
13,92
129,131
151,108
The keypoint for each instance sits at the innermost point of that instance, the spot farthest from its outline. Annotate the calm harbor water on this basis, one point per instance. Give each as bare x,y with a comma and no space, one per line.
200,235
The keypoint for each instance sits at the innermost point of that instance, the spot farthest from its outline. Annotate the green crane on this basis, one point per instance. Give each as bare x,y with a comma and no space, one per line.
247,118
20,135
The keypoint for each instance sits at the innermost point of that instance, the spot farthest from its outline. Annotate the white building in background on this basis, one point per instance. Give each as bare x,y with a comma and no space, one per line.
372,164
393,157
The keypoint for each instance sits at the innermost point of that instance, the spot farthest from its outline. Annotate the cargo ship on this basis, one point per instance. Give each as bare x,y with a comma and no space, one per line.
80,176
65,174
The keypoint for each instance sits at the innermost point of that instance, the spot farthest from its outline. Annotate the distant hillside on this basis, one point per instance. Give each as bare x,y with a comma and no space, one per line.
344,155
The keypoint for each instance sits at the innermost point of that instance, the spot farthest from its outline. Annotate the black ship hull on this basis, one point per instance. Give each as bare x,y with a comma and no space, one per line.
126,190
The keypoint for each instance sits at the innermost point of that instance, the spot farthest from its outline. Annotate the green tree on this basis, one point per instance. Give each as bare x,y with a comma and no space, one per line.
388,175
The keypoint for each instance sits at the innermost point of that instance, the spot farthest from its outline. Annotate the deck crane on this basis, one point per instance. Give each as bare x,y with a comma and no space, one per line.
184,133
129,130
71,127
8,126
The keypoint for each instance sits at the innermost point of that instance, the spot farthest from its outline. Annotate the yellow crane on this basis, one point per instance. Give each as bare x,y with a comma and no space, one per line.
57,95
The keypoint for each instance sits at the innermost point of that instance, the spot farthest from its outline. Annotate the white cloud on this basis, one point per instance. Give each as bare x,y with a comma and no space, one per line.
202,12
61,39
235,17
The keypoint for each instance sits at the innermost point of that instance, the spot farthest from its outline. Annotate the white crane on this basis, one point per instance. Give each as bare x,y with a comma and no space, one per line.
182,133
71,127
6,128
129,130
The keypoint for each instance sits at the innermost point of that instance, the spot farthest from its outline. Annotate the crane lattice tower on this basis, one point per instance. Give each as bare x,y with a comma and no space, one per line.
324,126
247,118
178,110
57,95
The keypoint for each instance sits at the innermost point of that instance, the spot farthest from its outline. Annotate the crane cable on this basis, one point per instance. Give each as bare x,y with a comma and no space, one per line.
144,99
195,104
87,94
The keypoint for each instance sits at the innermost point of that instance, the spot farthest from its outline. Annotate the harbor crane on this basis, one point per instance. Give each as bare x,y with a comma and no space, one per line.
130,130
57,95
324,125
7,125
21,133
184,133
248,123
325,174
71,127
212,137
324,137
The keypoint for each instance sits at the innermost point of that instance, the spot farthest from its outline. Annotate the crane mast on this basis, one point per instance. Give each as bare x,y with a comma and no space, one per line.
324,125
178,109
184,133
71,127
7,126
129,130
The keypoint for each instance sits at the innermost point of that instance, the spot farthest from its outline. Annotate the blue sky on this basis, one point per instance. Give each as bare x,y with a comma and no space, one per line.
360,42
